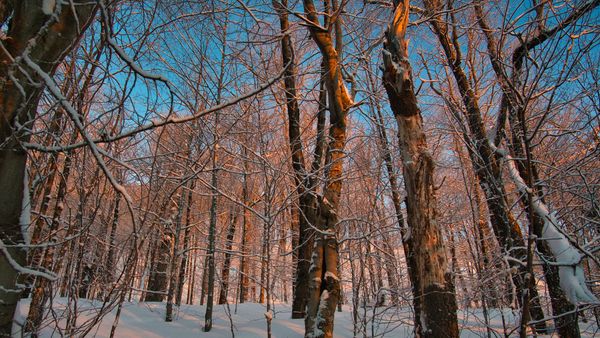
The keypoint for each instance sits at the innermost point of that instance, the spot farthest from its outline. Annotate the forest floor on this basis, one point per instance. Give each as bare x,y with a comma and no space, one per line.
146,320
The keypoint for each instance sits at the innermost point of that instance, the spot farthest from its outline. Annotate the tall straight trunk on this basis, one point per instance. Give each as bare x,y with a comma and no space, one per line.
227,262
184,252
304,185
204,286
434,288
20,94
149,264
192,283
110,261
281,249
157,284
295,233
263,266
246,236
210,257
173,271
391,271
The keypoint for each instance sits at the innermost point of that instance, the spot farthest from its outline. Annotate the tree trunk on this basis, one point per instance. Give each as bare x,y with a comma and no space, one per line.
173,271
324,275
227,262
51,47
110,261
157,283
211,246
246,237
192,283
185,254
263,266
303,183
204,287
485,162
434,288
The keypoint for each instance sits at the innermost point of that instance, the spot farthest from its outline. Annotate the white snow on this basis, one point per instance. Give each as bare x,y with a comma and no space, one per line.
48,6
568,258
147,320
331,275
24,270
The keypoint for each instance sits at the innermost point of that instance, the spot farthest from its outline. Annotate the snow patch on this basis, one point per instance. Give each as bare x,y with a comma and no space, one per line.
331,275
48,6
147,320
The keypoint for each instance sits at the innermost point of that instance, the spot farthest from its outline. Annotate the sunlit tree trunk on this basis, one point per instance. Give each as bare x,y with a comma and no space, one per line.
434,288
324,276
304,188
512,105
485,162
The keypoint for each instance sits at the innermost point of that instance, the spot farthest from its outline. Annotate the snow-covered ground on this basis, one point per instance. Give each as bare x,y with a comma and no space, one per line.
146,320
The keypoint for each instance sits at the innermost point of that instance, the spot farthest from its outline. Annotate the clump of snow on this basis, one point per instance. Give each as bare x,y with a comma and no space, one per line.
48,6
324,296
568,258
331,275
24,270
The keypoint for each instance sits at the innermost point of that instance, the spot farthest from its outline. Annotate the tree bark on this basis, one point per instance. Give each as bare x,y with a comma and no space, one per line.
26,36
324,276
227,262
485,163
173,271
158,282
210,255
434,288
186,240
303,184
246,236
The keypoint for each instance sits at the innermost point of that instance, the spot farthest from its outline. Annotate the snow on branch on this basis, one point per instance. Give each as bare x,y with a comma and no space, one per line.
568,258
74,115
164,122
24,270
